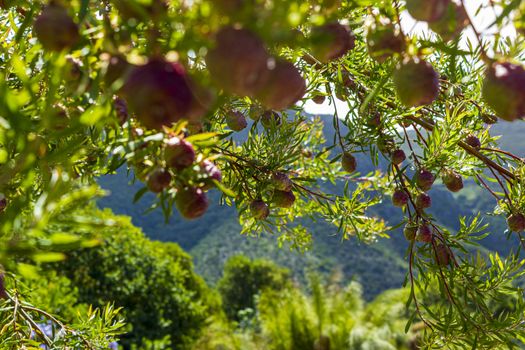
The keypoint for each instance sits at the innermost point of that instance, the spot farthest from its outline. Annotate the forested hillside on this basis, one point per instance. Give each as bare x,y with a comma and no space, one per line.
380,266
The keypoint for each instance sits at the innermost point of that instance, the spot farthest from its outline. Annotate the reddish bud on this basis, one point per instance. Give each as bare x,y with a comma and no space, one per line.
55,29
319,99
423,201
416,83
282,87
236,121
516,222
158,180
270,118
238,62
410,231
398,156
383,41
259,209
158,93
452,23
374,120
400,198
424,233
442,255
283,199
427,10
424,179
281,181
348,162
452,181
473,141
504,90
331,41
191,202
179,154
348,81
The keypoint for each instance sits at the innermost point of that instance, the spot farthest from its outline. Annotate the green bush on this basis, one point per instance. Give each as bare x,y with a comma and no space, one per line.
245,279
154,283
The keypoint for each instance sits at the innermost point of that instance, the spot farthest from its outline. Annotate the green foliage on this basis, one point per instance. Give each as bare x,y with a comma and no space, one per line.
154,283
330,317
244,280
44,310
63,122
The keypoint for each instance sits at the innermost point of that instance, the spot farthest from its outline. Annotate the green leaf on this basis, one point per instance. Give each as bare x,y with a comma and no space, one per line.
48,257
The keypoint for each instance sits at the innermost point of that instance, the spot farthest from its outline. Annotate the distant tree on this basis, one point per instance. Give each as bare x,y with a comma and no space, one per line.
245,279
161,296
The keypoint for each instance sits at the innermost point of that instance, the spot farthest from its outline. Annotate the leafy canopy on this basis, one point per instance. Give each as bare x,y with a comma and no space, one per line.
162,87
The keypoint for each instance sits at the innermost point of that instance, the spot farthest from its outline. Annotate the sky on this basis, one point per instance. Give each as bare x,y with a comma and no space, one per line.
483,17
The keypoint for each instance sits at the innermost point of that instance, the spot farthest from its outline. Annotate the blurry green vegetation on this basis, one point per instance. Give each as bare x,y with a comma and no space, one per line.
257,304
244,279
166,305
162,298
331,315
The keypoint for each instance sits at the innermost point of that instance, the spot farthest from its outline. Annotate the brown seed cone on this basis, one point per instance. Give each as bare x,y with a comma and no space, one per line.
504,90
282,87
239,61
423,201
383,41
179,154
398,156
158,93
452,23
283,199
427,10
55,29
191,202
236,121
424,234
348,162
158,180
400,198
516,222
452,181
331,41
259,209
442,255
416,83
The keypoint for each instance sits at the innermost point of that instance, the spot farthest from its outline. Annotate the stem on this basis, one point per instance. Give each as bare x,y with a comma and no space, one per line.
471,150
483,53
